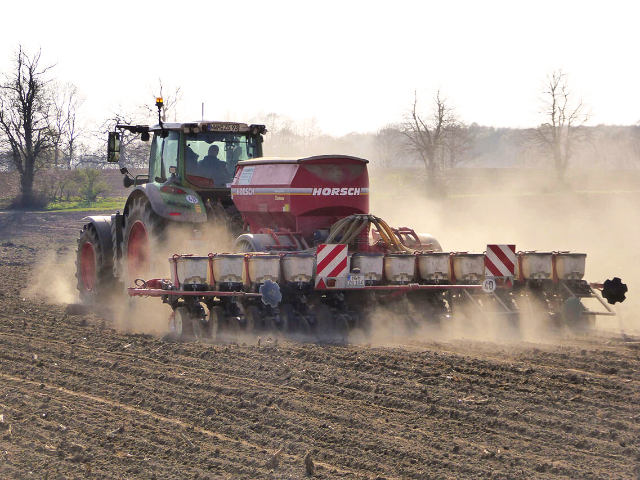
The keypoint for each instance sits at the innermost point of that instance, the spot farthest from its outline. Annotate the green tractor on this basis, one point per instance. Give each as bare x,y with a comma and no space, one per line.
191,166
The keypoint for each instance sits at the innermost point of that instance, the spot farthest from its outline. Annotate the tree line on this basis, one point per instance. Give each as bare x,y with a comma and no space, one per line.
42,129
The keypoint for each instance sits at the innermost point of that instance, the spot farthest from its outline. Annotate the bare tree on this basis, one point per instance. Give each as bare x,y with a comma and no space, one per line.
134,153
309,132
24,118
67,100
425,133
290,137
457,143
388,143
565,115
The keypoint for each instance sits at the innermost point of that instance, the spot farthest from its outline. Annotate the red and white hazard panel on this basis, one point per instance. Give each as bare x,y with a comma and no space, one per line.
500,261
331,261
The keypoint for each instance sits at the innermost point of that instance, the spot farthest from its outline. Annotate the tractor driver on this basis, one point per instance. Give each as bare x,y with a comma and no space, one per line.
212,167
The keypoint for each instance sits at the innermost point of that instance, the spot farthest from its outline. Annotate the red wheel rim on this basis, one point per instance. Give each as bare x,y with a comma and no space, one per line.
88,266
138,251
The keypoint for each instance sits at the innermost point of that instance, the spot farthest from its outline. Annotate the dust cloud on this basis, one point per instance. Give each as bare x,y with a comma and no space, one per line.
54,277
604,224
150,315
54,280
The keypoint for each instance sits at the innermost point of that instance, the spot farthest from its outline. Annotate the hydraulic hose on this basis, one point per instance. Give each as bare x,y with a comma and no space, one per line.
352,235
386,238
337,228
350,227
401,247
354,224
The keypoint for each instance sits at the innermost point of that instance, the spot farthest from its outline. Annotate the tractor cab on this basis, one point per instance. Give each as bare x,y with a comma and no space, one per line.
200,155
191,165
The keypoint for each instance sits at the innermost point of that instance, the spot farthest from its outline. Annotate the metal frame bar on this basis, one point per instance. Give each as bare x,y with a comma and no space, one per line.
481,307
408,287
608,313
596,295
158,292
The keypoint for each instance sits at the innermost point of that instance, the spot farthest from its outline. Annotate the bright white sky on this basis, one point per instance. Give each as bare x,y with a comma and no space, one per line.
353,65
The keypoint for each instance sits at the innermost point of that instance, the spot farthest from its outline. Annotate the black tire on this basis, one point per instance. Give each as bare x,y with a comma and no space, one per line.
138,261
94,268
303,327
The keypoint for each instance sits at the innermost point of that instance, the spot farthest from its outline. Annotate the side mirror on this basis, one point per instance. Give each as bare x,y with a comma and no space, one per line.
113,147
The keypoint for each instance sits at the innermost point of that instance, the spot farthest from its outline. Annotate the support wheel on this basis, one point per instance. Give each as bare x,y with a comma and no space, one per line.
252,318
216,320
184,323
322,325
287,318
303,326
232,326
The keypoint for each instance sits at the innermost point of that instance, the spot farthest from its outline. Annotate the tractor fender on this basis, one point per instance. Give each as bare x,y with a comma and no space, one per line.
184,208
102,224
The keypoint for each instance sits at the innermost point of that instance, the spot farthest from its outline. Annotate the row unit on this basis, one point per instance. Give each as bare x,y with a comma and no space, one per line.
224,269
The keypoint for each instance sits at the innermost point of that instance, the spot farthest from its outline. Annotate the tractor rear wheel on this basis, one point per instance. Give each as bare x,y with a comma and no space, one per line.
94,269
144,234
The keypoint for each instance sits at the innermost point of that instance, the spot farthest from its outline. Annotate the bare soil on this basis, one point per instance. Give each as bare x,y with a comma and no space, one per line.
80,399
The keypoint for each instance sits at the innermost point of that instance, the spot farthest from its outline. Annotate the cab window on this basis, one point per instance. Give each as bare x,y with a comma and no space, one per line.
170,153
155,157
211,157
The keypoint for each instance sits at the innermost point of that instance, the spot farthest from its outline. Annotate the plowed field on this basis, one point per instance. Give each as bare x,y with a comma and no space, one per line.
82,399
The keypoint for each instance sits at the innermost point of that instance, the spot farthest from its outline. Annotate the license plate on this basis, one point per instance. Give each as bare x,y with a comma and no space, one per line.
355,280
224,127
